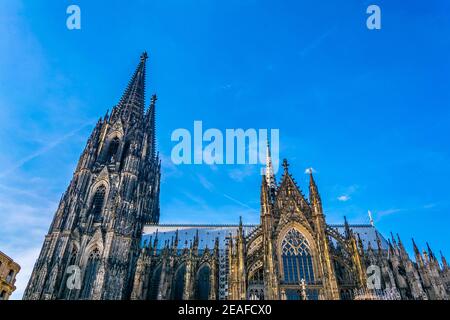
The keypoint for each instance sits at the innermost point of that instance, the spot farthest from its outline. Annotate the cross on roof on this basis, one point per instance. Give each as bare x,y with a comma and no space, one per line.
285,165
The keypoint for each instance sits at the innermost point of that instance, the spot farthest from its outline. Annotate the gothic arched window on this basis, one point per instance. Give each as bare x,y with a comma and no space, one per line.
112,149
297,259
97,203
90,274
203,285
178,285
154,284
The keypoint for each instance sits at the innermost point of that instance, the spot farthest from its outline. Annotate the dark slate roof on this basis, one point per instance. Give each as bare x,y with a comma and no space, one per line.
366,232
209,232
186,233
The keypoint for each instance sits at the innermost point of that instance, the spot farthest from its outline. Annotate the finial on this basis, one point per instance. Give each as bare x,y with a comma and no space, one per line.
144,56
311,177
444,261
370,218
378,240
347,228
285,165
416,249
430,252
393,239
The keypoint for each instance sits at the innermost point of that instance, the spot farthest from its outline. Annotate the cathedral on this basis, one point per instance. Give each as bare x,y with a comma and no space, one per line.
105,241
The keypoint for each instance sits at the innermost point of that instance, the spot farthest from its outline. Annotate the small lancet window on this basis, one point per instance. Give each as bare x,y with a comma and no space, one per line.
97,203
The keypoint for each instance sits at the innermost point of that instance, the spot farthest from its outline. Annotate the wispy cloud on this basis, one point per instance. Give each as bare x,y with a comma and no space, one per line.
240,174
392,211
317,42
205,182
239,202
344,198
43,150
378,215
25,216
223,214
26,258
169,169
345,193
309,170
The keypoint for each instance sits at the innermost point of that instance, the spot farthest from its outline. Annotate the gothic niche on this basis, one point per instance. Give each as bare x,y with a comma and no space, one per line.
113,147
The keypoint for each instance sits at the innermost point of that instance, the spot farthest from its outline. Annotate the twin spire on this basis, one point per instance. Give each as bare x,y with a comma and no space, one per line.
132,103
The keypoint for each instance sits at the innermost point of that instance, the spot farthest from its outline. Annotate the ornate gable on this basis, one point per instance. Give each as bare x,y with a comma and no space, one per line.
290,204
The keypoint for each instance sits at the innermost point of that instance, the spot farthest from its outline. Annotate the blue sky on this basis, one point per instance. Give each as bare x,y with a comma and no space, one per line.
368,110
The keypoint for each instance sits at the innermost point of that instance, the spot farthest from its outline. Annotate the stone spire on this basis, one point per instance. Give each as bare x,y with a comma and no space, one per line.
270,176
444,261
286,166
403,252
314,196
370,218
348,232
116,191
416,249
132,103
150,121
430,253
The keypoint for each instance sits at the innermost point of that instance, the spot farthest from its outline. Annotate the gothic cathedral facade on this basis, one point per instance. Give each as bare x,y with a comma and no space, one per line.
113,194
105,241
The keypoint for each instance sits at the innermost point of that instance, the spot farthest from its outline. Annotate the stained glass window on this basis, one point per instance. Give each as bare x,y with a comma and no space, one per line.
203,285
179,283
297,259
154,284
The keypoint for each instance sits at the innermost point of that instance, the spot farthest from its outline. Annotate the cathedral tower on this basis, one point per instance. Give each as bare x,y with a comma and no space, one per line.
91,249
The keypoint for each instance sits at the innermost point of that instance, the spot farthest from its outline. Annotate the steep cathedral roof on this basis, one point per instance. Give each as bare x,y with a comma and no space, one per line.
209,232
